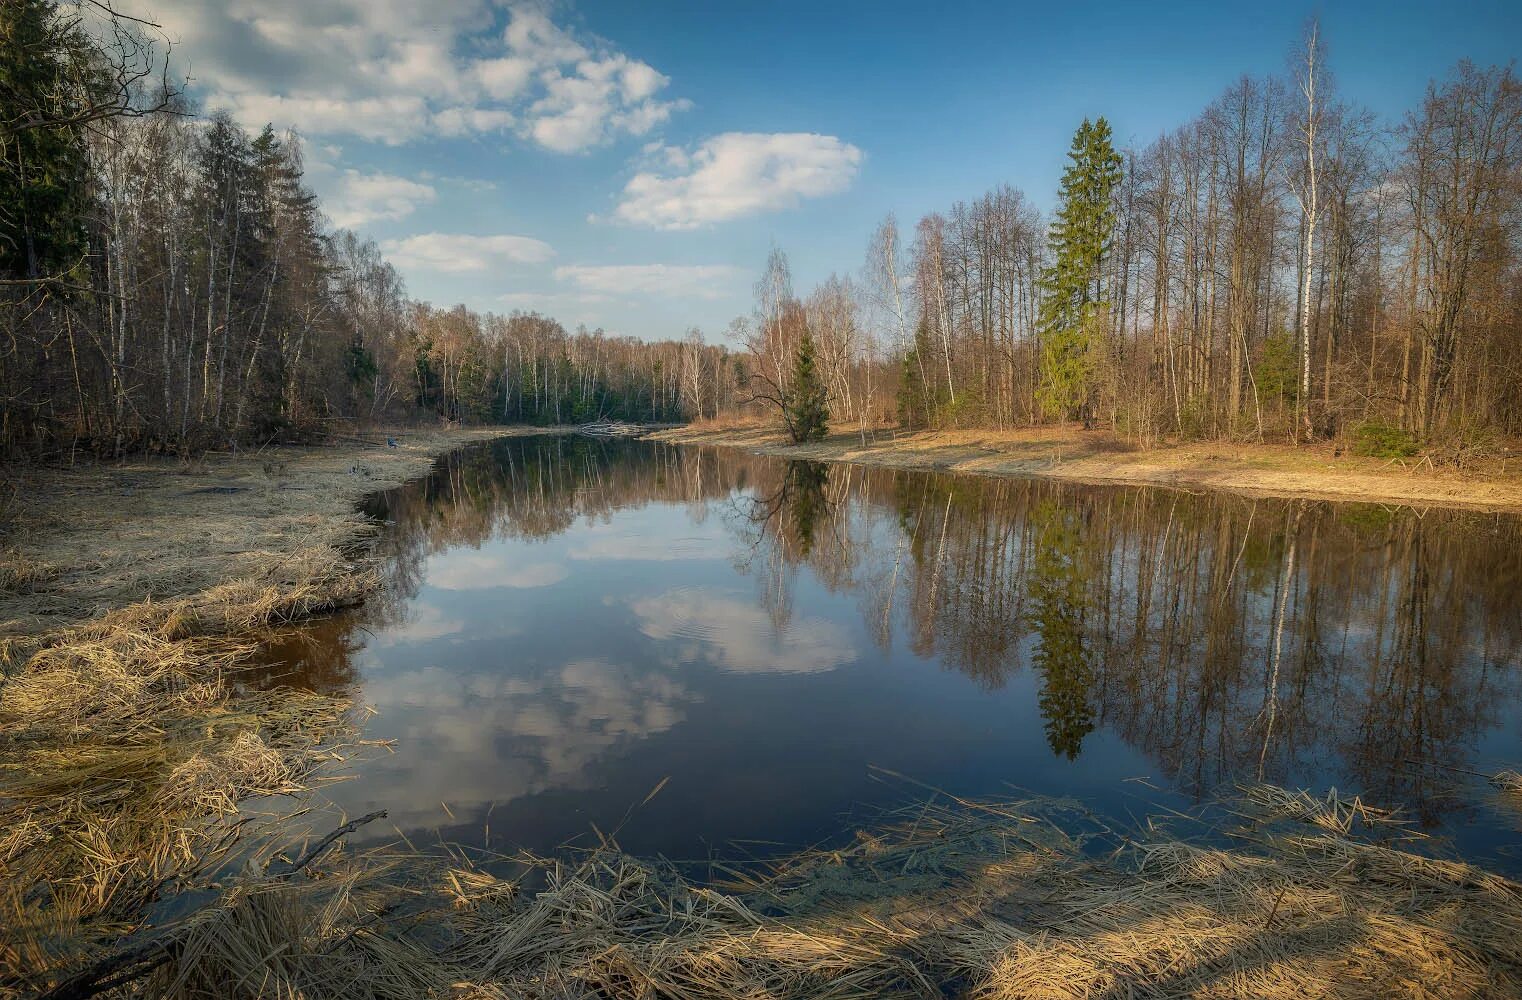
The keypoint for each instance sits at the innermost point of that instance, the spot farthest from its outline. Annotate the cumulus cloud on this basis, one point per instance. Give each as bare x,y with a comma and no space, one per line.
734,175
383,71
456,253
739,637
467,570
612,94
494,735
358,198
703,281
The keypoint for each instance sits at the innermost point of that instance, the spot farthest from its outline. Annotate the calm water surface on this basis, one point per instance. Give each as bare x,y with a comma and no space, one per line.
567,623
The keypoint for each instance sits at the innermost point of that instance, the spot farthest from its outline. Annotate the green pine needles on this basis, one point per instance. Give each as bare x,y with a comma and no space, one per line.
806,404
1073,312
44,172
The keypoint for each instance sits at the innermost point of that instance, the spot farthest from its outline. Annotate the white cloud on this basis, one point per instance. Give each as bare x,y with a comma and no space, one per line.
470,738
383,71
466,570
702,281
458,253
358,198
739,637
423,622
391,120
600,97
548,302
734,175
603,542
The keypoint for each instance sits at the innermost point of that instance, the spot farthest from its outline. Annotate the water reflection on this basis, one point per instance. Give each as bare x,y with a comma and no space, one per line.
567,622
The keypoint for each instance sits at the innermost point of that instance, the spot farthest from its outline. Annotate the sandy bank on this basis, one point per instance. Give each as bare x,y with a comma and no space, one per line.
1097,457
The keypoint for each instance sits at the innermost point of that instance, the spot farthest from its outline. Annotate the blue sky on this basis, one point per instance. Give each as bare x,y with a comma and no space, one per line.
628,165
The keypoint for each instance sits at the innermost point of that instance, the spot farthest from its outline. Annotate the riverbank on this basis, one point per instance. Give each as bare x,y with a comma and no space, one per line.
130,595
1098,457
1275,896
281,525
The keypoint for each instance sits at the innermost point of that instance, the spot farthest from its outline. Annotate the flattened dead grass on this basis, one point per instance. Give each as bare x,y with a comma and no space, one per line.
992,900
127,742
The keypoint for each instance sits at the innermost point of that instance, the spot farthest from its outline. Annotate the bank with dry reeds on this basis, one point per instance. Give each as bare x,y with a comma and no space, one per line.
1272,895
130,595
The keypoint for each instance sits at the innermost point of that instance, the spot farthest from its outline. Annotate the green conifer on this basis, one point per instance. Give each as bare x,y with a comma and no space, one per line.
1072,311
806,411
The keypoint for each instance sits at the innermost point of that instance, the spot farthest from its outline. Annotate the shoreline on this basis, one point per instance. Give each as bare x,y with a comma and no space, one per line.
132,594
93,541
1310,472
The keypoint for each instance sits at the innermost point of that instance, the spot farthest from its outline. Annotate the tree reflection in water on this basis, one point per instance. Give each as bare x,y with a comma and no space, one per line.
1224,636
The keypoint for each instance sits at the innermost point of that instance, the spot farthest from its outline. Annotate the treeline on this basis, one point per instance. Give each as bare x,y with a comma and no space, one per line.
1282,267
170,282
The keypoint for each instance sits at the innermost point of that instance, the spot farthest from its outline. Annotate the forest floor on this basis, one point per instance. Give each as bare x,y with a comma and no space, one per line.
1318,471
130,594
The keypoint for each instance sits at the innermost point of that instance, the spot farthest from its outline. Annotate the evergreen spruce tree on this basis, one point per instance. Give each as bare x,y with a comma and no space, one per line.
805,410
1072,312
918,402
43,167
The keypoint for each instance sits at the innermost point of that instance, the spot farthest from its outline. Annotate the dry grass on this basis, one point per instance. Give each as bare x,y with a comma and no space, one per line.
123,759
1067,452
127,742
1001,900
1508,791
154,531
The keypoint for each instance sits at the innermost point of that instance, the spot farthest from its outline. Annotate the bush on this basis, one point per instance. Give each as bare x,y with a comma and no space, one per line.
1379,440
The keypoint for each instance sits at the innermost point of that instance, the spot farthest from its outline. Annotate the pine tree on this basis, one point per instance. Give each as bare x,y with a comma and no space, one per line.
1072,312
805,410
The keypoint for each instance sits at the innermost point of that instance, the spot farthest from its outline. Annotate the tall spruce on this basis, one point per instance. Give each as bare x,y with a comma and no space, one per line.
806,411
43,164
1072,310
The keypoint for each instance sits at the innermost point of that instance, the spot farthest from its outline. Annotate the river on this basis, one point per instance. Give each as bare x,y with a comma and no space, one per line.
783,648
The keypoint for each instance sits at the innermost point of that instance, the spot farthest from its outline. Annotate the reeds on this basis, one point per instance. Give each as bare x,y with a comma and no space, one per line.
994,900
123,759
128,743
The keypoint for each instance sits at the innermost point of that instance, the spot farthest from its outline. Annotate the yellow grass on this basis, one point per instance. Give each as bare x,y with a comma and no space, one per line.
1007,900
128,600
1097,456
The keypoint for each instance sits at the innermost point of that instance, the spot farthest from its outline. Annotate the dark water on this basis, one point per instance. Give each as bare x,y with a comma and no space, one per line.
568,623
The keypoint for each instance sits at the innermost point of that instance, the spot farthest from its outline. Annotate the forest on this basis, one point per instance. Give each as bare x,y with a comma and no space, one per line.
168,282
1282,268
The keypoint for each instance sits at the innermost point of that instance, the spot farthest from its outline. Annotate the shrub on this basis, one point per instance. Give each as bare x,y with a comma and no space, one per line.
1380,440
